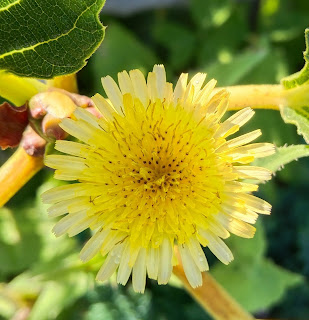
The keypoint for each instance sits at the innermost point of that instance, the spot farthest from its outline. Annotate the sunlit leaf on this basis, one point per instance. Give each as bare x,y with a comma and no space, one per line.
47,38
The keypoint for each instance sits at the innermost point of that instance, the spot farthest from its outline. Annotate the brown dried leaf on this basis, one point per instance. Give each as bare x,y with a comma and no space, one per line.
13,121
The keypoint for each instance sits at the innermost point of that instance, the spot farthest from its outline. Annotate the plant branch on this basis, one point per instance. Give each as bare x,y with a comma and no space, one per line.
17,170
213,298
263,96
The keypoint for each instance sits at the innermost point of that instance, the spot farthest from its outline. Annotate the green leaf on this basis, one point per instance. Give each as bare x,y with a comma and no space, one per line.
232,72
256,286
255,282
283,156
298,116
26,239
296,110
55,296
48,38
301,77
20,242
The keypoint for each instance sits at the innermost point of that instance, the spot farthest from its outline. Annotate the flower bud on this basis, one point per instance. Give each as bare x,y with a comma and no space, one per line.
51,128
54,102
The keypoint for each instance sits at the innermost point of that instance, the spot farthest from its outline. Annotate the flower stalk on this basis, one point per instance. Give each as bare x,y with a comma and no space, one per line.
265,96
213,298
16,172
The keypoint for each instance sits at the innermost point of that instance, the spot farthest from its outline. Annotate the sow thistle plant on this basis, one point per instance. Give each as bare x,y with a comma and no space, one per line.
155,171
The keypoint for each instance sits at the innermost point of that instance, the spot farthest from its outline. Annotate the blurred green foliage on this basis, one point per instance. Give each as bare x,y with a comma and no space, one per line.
236,42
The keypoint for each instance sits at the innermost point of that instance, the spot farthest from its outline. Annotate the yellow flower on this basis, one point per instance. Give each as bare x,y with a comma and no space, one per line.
154,172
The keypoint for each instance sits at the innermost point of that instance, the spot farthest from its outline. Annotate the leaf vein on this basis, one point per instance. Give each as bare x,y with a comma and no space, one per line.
33,47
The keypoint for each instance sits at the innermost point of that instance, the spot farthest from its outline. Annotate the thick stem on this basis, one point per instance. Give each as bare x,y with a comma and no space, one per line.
263,96
18,170
67,82
213,298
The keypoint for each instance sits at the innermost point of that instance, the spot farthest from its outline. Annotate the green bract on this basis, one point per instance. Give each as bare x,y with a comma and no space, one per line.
47,38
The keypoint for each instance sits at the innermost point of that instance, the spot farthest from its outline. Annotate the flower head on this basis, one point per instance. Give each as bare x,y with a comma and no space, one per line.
156,171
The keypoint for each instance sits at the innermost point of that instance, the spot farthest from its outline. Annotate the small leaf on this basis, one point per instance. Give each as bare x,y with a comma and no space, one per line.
297,95
298,116
13,122
301,77
48,38
283,156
